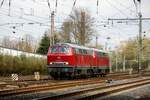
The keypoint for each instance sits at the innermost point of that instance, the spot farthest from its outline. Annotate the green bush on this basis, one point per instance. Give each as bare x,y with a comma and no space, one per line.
22,65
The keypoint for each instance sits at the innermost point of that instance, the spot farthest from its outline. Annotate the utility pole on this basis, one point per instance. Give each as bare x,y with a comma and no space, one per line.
140,40
110,64
116,62
9,7
140,37
124,63
106,46
110,54
52,29
96,45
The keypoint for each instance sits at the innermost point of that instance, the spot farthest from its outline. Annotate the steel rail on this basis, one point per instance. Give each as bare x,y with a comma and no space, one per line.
58,86
87,94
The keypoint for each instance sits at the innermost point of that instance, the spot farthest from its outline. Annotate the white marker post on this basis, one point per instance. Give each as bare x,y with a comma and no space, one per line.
14,77
37,76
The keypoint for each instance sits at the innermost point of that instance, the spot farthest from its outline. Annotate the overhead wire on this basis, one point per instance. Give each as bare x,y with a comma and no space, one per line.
27,19
115,29
16,29
56,7
119,11
9,7
127,8
97,6
26,30
40,17
74,3
135,3
112,5
21,18
2,3
17,12
48,3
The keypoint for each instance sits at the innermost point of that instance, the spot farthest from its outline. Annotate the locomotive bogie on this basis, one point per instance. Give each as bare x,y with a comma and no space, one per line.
76,72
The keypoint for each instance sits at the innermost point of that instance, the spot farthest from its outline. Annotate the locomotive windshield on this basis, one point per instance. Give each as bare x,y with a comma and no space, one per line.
59,49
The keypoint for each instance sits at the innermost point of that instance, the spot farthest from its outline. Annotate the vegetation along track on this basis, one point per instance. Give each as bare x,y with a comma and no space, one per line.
45,87
96,92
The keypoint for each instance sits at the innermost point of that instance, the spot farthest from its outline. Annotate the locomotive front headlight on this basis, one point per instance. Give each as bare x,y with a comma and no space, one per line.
50,63
67,63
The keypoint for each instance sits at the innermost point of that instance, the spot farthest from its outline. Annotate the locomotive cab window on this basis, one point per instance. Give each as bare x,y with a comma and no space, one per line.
90,52
84,51
54,49
80,51
77,50
102,54
105,54
64,49
59,49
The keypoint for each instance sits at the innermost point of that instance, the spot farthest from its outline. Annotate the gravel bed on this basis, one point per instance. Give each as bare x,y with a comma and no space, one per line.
140,93
60,91
47,93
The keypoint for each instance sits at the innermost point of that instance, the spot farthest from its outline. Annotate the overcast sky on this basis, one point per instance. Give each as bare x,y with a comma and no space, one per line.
37,11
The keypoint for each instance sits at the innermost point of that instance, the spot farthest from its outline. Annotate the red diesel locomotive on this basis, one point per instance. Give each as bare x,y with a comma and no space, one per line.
70,60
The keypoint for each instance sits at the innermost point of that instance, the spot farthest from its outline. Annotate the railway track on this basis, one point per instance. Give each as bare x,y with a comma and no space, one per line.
97,92
47,87
54,86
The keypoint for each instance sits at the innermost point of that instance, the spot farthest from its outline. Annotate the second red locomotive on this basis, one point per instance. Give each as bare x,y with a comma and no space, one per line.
70,60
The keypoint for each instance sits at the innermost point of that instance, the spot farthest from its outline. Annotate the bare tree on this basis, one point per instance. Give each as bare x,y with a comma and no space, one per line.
66,31
79,25
6,42
83,23
28,43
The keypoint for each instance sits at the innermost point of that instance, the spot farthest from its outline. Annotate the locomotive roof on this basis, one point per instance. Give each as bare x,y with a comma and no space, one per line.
76,46
82,47
99,50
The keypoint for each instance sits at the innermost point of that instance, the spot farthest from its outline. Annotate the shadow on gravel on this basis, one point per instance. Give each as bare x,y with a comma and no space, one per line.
145,98
124,97
31,96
